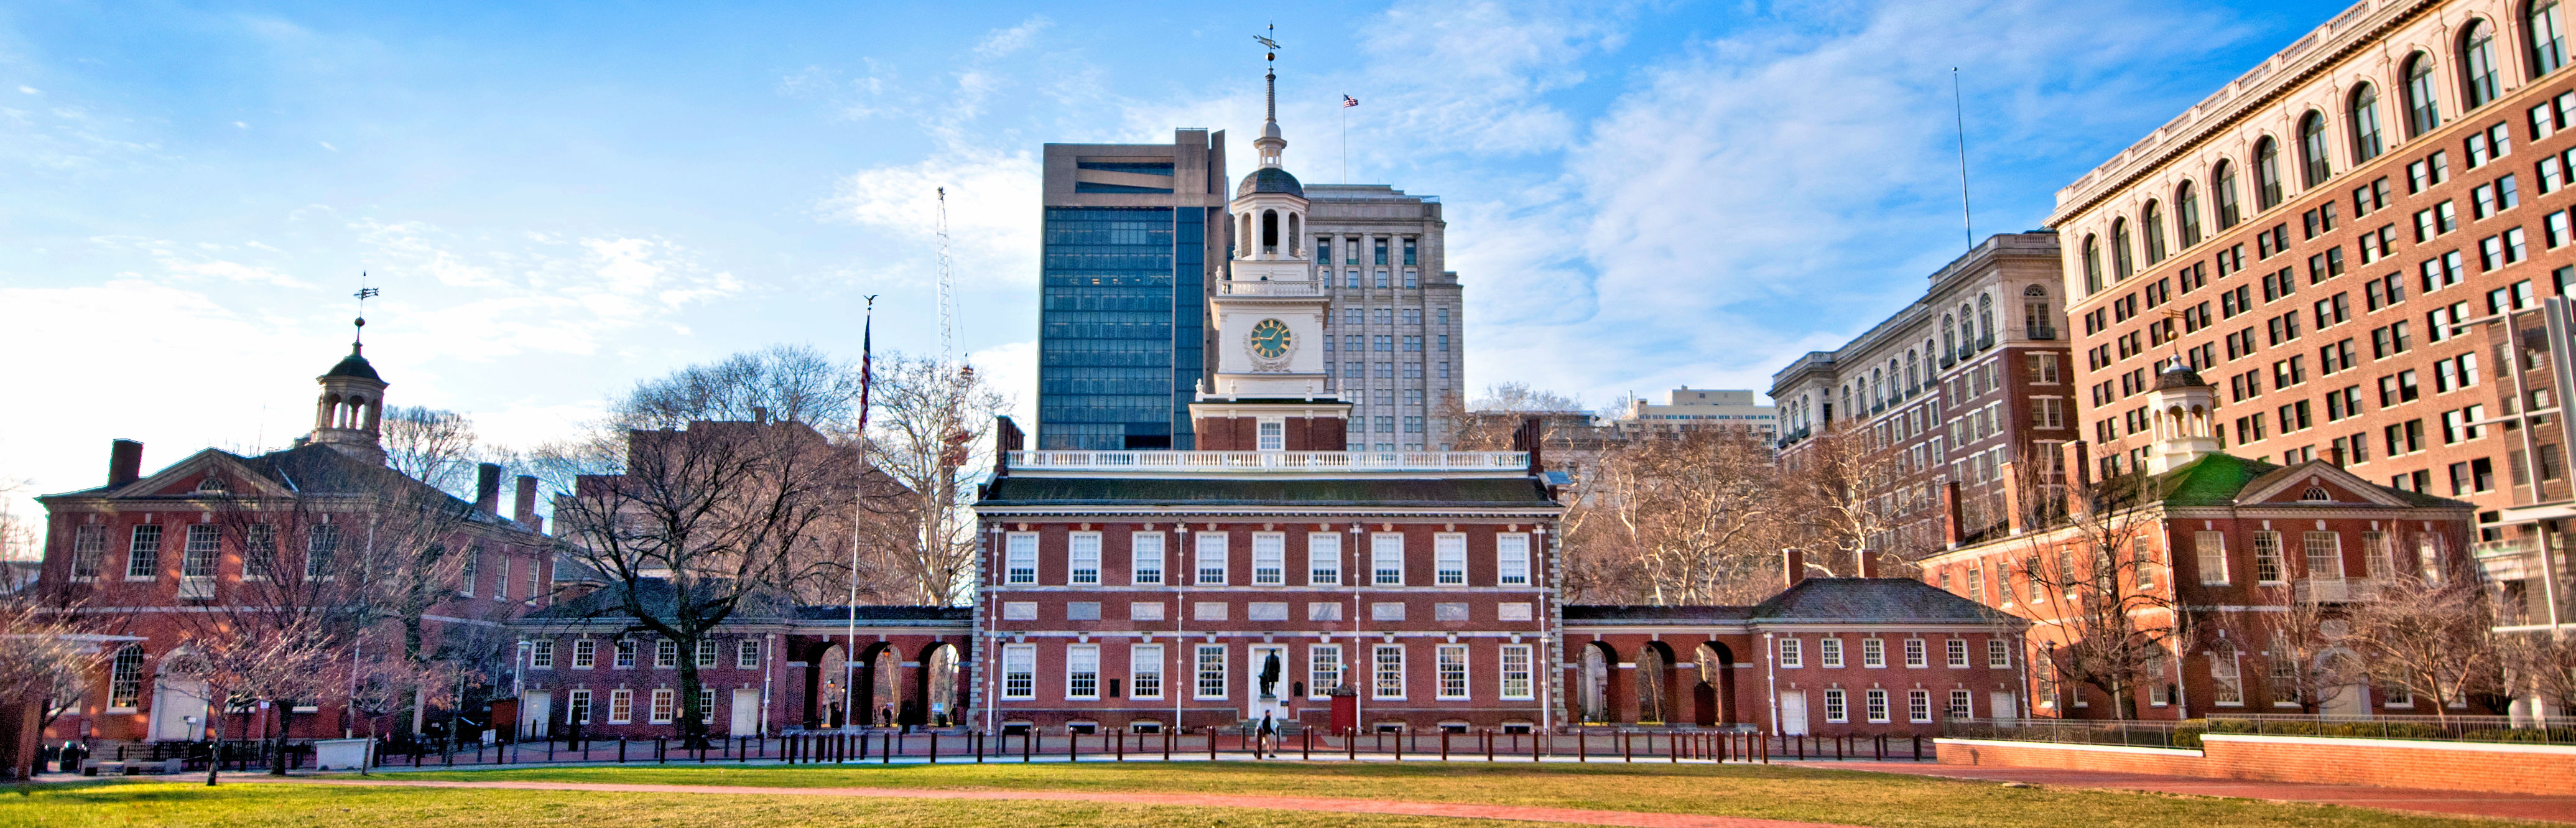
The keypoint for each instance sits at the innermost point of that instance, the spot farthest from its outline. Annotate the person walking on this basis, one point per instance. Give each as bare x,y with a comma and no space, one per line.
1261,744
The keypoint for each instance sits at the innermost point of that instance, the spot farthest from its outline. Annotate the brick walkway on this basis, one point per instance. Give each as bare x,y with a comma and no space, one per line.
2459,803
1286,803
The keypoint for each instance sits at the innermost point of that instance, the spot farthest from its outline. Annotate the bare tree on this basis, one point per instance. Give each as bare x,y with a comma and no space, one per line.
1694,511
2300,656
2542,663
1839,489
432,446
43,660
2429,636
2102,602
931,426
691,520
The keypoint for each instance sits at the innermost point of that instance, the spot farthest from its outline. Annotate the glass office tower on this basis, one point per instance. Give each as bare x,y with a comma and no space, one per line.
1132,236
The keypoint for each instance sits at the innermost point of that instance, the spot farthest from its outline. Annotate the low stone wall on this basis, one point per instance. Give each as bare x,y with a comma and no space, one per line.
2396,763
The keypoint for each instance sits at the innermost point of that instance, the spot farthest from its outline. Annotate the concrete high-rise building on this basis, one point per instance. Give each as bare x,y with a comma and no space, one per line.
1134,236
1698,409
1394,343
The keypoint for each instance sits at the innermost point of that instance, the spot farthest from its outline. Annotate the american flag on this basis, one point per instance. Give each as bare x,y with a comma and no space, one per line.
1348,101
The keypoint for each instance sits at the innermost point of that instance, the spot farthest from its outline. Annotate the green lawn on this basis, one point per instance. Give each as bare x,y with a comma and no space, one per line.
111,804
1771,792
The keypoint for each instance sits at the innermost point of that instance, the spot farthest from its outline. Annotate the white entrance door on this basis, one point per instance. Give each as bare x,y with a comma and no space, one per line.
1793,713
536,708
178,710
2001,705
746,712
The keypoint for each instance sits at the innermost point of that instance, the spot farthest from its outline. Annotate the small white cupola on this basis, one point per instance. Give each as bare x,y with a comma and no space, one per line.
2180,414
347,415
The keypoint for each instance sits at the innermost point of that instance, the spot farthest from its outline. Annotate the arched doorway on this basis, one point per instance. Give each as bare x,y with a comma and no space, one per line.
826,696
1654,669
877,686
1593,690
1713,696
938,688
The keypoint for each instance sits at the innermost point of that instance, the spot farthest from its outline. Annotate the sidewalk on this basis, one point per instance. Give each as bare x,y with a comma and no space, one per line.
2449,803
1579,816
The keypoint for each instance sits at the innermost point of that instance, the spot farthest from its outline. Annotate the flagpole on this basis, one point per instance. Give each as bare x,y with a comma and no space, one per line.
850,651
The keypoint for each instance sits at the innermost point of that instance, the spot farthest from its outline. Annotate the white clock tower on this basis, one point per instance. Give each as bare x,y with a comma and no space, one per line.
1269,313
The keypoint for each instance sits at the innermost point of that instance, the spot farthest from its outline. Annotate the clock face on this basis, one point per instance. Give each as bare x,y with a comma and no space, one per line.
1271,338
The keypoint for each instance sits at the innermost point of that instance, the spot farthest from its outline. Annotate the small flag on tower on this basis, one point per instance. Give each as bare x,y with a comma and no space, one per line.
1348,101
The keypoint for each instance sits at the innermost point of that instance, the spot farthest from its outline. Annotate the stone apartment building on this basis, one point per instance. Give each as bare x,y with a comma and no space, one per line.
1398,318
2362,242
1967,385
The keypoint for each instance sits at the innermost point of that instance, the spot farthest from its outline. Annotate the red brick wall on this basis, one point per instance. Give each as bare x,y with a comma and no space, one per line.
2453,766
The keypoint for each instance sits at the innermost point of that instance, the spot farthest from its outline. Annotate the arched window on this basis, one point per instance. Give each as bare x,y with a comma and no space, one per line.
2092,265
2123,263
1269,231
2267,174
125,677
2478,64
2187,214
2365,124
1650,674
2423,99
1913,372
1985,321
2035,321
1949,339
2227,684
2548,44
2152,220
2313,164
2229,211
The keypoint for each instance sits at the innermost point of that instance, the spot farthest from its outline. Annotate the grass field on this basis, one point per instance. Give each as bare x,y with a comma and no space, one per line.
1751,791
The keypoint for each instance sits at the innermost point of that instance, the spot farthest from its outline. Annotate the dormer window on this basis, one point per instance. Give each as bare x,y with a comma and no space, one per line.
2316,494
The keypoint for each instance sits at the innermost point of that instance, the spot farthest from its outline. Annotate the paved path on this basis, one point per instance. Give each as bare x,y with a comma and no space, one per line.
1458,810
2560,808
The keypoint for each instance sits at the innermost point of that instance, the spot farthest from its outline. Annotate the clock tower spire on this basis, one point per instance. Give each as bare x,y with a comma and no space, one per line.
1269,312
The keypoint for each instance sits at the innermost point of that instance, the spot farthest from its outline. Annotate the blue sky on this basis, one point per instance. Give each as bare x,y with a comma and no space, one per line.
560,201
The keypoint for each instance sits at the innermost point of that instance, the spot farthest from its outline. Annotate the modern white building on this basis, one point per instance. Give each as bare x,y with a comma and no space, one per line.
1688,408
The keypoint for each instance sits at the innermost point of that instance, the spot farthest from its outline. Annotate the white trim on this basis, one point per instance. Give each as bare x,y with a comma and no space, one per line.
2466,747
2147,751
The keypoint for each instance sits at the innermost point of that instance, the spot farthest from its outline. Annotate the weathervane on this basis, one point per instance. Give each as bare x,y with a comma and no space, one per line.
356,340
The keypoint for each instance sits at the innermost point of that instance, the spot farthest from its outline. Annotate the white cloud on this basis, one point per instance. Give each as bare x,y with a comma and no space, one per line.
992,220
327,145
1006,41
1012,368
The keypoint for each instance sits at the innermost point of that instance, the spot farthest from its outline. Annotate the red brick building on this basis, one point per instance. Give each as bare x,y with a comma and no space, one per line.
155,556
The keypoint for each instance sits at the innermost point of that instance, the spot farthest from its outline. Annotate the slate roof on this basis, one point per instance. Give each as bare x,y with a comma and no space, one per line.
1486,492
354,366
881,613
659,598
1270,180
1812,601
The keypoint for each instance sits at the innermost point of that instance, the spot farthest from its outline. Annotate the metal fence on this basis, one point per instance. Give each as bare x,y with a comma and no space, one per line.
2186,733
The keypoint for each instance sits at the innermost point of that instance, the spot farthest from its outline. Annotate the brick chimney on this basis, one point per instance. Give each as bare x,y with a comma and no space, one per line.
2079,475
525,511
1794,564
124,462
1953,523
487,488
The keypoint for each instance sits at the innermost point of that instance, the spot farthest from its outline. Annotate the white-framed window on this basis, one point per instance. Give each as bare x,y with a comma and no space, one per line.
198,554
625,654
321,545
707,651
746,653
577,706
2378,558
2212,549
1020,558
1211,558
143,553
2325,554
1082,558
501,585
1145,549
1512,559
1323,669
1831,650
621,706
2226,679
1386,558
1918,705
1453,671
541,655
1145,611
1211,672
1877,700
1449,558
2267,558
1389,671
1323,559
1962,705
1082,671
1270,558
1957,651
1998,654
1873,652
1916,653
1273,435
1019,671
1518,683
89,552
1793,653
666,653
585,653
666,705
1837,707
1145,671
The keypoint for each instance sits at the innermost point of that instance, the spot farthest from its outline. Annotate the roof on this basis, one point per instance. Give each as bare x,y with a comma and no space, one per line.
354,365
2179,376
2219,479
1390,492
1872,600
1270,180
883,613
658,598
1610,613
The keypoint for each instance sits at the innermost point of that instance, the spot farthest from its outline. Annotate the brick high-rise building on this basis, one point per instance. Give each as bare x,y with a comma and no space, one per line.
2361,243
